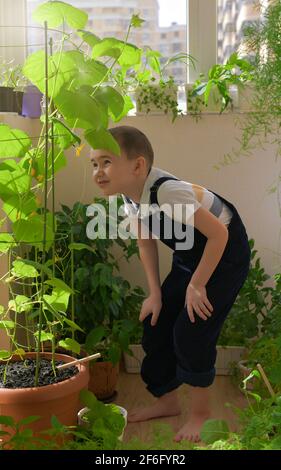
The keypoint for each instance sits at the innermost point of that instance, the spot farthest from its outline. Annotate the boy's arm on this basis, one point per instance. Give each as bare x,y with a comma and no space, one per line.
217,236
149,257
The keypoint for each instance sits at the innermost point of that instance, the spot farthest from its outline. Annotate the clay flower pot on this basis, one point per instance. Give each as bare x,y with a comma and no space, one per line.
60,399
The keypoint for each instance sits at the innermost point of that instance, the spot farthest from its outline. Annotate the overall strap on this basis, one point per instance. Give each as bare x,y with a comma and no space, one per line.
156,185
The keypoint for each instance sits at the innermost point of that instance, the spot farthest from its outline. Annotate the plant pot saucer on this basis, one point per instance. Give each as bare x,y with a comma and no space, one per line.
109,399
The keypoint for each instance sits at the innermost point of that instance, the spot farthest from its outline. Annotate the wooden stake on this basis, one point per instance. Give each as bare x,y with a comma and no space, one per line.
79,361
265,379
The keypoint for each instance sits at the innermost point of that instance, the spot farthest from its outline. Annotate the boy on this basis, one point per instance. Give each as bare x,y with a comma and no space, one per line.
183,317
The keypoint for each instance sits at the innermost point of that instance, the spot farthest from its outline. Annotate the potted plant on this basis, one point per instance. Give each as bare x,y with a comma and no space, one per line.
26,172
12,84
104,302
243,322
105,422
156,90
216,92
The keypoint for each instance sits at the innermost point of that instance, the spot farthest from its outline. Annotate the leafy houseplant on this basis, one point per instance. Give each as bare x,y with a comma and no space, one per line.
215,91
155,92
12,84
77,94
246,316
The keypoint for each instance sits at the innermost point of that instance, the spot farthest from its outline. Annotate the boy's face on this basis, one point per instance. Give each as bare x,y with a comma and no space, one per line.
112,173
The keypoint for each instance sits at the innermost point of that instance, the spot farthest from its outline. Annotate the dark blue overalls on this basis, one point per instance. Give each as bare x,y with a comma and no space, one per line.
178,351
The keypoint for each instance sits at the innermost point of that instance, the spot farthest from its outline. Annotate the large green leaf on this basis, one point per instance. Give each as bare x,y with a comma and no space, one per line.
70,344
60,284
13,142
88,71
31,231
102,139
9,324
60,71
6,242
214,430
20,207
79,109
58,299
128,105
44,336
64,137
57,13
21,303
88,37
22,269
111,98
13,183
125,53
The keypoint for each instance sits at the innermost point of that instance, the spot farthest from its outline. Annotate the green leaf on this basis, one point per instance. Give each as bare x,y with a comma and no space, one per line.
102,139
88,399
44,336
79,109
60,284
4,354
6,242
9,324
81,246
88,37
22,269
214,430
58,299
128,105
20,207
13,142
94,337
13,183
2,309
136,21
125,53
28,420
87,71
57,13
72,324
56,424
7,421
112,99
70,344
60,71
21,303
31,231
64,137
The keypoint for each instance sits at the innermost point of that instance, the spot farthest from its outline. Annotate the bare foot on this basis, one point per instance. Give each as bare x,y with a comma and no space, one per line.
191,430
167,405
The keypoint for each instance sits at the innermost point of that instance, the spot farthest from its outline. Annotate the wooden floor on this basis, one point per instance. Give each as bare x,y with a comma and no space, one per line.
132,393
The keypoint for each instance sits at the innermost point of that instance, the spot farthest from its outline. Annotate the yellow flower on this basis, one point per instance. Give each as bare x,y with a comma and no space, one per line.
79,150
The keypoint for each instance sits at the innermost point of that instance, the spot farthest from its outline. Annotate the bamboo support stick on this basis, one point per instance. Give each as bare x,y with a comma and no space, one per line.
79,361
265,379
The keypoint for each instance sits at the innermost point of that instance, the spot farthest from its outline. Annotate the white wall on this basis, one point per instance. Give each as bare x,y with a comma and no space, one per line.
190,150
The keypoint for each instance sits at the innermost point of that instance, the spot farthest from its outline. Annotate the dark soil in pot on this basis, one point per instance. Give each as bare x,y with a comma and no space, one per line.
20,374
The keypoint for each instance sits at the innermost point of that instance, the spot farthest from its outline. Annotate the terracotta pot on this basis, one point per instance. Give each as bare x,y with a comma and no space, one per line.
103,379
60,399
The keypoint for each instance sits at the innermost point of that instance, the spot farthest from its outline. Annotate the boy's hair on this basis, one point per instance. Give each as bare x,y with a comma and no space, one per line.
133,142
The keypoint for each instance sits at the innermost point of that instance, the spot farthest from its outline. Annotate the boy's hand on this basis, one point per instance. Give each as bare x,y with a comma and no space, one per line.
151,305
196,300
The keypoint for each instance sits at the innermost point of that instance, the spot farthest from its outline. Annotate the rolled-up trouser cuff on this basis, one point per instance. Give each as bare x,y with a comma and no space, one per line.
196,379
169,387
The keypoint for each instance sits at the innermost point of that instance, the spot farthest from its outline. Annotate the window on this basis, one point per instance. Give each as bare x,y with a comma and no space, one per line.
232,17
161,22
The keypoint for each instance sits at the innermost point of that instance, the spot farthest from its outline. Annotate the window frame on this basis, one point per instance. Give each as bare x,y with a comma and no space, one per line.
201,27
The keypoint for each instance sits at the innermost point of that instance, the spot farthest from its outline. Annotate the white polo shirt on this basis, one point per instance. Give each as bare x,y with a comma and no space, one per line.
173,192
